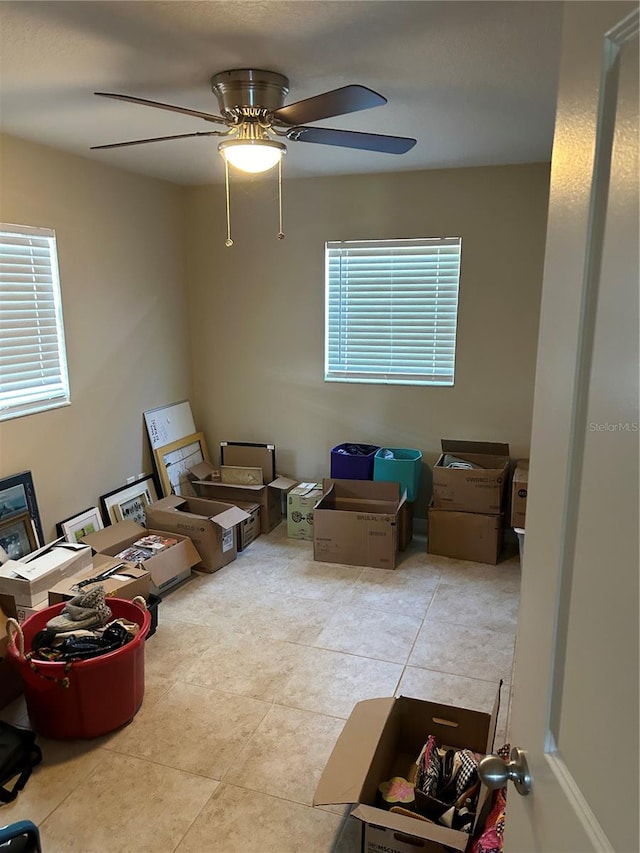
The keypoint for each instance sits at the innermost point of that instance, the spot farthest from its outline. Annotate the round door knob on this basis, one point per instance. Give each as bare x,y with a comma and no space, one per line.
495,773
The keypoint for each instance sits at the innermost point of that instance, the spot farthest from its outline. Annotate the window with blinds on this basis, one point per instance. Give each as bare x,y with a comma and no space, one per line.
391,311
33,365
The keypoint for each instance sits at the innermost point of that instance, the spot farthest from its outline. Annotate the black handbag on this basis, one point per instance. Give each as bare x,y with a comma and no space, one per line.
19,754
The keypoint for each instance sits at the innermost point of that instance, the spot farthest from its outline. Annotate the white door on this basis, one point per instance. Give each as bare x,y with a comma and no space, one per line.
575,697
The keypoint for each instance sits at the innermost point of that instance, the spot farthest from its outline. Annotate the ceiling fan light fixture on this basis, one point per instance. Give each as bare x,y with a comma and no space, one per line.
252,155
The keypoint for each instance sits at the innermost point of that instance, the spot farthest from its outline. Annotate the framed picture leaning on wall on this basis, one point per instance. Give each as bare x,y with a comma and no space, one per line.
128,503
17,537
18,495
174,460
82,524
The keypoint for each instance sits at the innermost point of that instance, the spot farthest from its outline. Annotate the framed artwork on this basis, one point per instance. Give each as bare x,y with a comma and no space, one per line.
18,495
17,537
77,526
174,460
129,503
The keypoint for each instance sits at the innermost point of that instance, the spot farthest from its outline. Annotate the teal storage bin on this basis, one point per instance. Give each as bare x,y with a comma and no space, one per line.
404,467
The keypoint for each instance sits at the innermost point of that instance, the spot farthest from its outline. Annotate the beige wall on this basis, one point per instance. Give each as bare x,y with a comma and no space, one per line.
120,261
256,315
257,311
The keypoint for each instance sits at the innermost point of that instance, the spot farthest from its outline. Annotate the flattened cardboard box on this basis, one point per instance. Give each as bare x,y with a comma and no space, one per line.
29,581
167,568
268,496
472,490
356,523
381,739
519,491
128,582
300,503
209,524
465,535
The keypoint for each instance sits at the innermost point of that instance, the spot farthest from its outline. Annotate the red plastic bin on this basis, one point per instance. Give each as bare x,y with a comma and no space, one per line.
103,693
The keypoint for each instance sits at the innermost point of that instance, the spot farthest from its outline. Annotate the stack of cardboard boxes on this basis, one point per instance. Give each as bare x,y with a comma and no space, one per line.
466,515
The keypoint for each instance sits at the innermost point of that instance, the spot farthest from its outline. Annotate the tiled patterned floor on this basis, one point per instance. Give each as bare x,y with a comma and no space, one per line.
250,677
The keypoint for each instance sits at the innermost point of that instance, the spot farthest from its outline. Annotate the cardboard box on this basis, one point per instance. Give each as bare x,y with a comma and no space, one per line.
28,580
519,489
356,523
167,569
300,503
465,535
128,582
268,496
405,525
209,524
249,529
383,738
472,490
23,613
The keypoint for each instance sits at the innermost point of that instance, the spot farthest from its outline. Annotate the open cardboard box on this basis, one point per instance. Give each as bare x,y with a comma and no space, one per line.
131,580
356,522
472,489
383,738
211,525
167,568
269,496
28,580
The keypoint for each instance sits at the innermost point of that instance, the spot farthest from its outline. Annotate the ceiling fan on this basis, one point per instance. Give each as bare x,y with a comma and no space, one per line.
251,104
252,110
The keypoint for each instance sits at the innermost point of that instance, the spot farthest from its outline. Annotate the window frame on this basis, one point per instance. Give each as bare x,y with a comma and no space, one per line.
31,398
442,341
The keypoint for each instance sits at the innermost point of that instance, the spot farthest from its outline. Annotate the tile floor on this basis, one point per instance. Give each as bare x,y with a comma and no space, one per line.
249,679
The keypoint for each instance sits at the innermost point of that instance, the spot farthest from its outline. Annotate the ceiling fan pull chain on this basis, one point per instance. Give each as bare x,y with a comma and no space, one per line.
228,242
280,232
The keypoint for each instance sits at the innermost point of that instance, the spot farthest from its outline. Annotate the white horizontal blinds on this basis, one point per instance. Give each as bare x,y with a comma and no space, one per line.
33,370
391,311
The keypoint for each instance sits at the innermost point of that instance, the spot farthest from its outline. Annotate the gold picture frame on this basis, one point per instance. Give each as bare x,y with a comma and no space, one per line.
174,460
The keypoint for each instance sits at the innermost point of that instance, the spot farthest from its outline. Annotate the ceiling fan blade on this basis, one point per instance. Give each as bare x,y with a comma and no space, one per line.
348,99
145,102
155,139
352,139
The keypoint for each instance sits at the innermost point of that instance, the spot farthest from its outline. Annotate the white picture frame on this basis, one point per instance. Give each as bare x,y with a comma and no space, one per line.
82,524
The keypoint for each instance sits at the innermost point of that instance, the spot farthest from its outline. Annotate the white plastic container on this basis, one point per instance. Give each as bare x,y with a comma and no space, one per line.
520,532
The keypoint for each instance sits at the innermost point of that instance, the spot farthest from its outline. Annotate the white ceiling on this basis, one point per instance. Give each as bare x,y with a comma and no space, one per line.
474,82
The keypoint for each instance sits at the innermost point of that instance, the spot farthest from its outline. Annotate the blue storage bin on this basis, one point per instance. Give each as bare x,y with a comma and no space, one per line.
353,461
403,466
